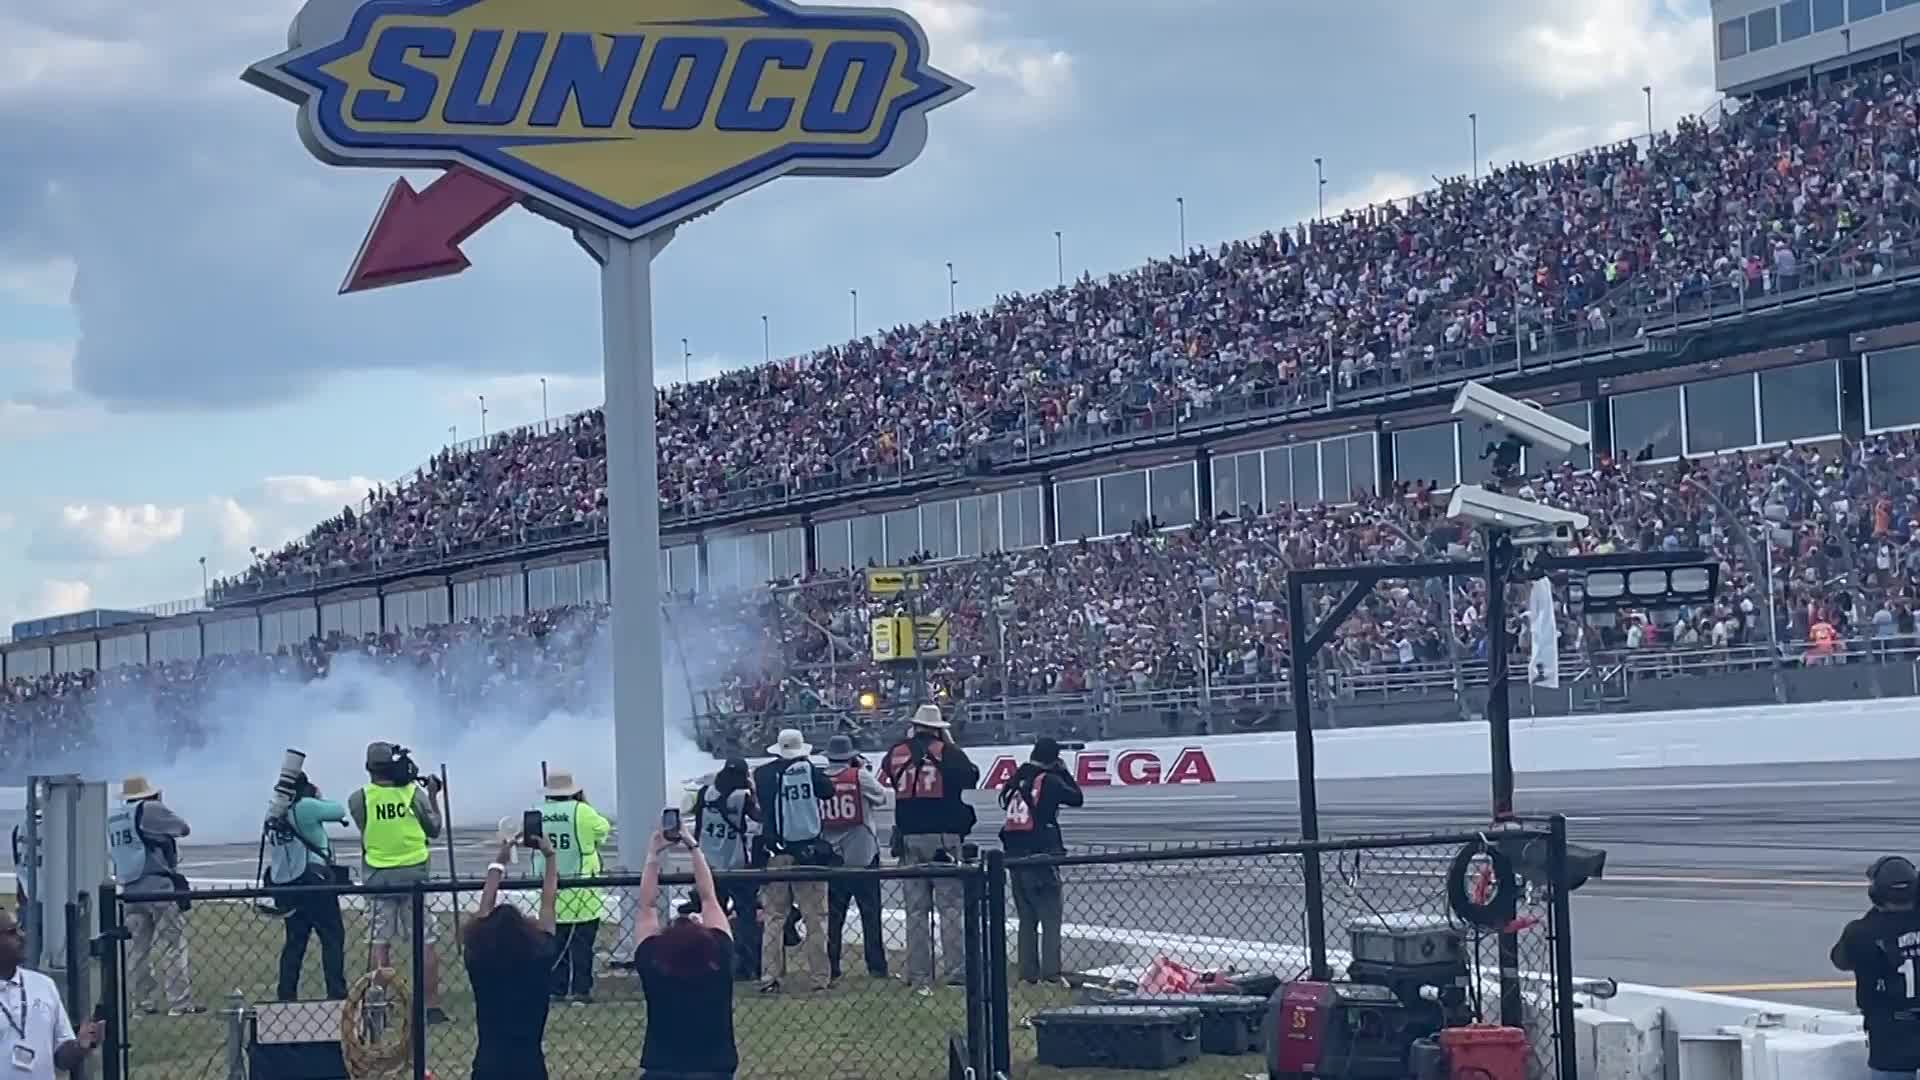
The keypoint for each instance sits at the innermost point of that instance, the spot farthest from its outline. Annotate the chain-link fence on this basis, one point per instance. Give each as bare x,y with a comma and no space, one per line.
927,960
1240,919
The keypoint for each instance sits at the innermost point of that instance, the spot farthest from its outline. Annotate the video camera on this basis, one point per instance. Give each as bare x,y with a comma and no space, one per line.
404,770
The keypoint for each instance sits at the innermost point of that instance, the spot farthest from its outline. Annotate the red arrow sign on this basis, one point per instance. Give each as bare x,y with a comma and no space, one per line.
417,235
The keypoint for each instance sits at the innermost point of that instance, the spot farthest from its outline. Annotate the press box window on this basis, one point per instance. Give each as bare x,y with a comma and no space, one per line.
1828,14
1762,30
1733,39
1863,9
1796,19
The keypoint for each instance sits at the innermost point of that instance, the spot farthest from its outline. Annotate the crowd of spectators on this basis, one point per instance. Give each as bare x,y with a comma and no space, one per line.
1769,195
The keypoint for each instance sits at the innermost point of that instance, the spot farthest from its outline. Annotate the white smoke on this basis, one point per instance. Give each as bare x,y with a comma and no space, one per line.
492,751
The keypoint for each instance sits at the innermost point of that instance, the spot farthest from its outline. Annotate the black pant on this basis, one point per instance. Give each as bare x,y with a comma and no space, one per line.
314,914
745,900
573,968
872,937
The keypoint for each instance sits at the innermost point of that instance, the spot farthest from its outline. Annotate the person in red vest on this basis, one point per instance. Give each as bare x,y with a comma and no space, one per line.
848,817
1032,802
928,776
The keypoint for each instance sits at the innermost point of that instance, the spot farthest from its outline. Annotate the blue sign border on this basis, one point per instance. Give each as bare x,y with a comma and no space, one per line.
328,97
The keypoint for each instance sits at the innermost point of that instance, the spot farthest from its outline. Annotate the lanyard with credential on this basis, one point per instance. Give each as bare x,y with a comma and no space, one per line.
19,1025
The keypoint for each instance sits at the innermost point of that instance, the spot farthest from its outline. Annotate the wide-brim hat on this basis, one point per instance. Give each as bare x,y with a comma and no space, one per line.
791,744
928,716
840,749
137,787
560,785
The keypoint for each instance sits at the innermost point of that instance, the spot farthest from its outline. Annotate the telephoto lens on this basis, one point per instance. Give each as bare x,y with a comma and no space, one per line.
287,787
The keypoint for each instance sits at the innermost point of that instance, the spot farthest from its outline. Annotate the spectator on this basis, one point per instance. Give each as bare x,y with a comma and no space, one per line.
849,828
576,831
928,776
790,789
36,1037
686,971
509,960
722,811
143,841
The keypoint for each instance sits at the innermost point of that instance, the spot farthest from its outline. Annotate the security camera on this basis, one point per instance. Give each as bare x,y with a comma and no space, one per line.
1527,521
1528,423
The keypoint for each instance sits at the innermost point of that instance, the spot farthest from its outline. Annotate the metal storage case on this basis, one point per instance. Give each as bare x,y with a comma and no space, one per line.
1117,1037
1229,1023
1406,940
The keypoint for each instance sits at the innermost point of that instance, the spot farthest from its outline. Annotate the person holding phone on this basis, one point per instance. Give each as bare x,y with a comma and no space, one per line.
575,831
509,958
686,971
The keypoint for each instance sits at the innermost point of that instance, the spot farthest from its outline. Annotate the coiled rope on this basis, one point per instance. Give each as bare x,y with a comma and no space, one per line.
378,1043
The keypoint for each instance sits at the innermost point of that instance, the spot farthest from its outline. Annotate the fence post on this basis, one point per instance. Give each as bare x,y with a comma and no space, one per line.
236,1014
1562,900
79,987
973,907
997,961
418,1005
106,949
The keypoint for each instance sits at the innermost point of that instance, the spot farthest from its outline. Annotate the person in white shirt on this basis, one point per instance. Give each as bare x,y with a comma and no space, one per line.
36,1037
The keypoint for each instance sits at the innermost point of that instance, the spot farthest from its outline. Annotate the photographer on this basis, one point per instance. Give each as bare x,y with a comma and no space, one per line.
1032,801
686,971
791,788
143,840
1882,950
508,961
302,854
849,828
929,777
721,813
575,831
398,815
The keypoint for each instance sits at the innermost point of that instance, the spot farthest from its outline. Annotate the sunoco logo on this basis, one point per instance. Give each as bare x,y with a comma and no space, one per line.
628,115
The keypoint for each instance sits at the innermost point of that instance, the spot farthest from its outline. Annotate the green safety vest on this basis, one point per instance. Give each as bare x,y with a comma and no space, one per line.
393,836
560,818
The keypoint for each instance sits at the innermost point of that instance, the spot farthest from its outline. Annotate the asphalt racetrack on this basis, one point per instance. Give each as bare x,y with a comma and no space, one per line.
1731,880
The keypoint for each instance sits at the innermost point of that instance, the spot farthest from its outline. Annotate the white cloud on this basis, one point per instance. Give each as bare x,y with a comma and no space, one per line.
50,597
1613,46
513,400
107,531
235,525
300,490
1381,187
1016,72
27,419
6,521
42,282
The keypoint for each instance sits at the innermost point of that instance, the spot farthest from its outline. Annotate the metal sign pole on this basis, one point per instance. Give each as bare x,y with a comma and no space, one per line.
633,547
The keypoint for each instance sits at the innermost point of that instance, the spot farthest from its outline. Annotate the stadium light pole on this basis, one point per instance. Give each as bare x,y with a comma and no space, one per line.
1648,91
855,293
686,362
1320,174
203,577
766,340
544,418
1473,118
953,305
483,416
1060,257
1181,202
453,434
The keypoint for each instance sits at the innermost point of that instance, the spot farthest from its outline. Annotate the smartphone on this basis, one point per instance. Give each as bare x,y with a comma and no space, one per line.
670,823
532,828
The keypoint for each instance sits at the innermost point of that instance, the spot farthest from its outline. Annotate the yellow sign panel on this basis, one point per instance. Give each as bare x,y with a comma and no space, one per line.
895,637
625,115
886,581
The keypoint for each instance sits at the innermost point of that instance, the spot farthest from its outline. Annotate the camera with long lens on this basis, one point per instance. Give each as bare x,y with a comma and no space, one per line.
286,788
404,770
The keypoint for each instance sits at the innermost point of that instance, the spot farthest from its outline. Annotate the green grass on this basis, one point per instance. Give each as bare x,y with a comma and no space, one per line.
862,1029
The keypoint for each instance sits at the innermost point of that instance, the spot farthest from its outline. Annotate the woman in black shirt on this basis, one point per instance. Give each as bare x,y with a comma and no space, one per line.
686,969
508,958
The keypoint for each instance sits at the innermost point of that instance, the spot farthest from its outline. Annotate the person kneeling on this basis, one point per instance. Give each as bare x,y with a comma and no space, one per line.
686,971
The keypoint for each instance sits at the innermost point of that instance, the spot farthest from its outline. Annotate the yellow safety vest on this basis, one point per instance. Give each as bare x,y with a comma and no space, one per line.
393,836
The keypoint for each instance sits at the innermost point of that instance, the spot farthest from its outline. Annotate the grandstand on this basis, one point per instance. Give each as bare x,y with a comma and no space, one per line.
1106,481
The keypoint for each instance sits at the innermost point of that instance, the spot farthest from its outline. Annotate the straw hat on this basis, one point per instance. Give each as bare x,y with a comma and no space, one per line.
137,787
928,716
791,744
560,785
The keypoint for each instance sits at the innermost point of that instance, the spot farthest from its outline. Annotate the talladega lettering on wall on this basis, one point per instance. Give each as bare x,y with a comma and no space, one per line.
1126,768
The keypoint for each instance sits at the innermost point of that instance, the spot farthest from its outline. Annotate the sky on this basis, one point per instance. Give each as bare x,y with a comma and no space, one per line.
179,380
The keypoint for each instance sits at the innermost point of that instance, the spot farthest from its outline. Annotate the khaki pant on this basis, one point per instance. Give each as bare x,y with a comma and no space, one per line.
924,899
811,898
157,955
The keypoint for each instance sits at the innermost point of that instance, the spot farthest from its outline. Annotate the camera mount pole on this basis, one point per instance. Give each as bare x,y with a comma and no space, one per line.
453,866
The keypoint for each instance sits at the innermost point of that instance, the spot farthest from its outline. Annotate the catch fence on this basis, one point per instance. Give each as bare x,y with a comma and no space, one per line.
1131,920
